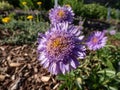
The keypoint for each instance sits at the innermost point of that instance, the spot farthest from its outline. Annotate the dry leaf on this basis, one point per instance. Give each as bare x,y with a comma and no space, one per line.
55,87
15,64
9,58
45,78
2,77
2,48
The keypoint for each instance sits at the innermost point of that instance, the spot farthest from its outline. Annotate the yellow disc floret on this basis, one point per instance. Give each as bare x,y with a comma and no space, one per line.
57,45
6,20
61,13
95,40
67,5
39,3
30,17
24,3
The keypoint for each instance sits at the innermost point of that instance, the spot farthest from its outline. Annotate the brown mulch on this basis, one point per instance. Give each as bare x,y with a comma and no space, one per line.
20,70
114,42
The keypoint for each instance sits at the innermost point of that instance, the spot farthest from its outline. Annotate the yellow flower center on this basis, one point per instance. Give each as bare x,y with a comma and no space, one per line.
30,17
39,3
95,40
57,42
67,5
24,3
6,20
61,13
57,45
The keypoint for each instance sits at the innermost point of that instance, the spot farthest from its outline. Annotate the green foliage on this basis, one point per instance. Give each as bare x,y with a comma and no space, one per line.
75,4
114,14
23,31
32,4
111,57
68,78
29,4
5,6
47,4
97,11
94,11
86,10
97,72
14,3
117,36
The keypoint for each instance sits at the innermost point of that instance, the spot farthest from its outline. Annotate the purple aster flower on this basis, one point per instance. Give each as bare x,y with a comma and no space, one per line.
105,31
61,14
60,48
96,40
112,32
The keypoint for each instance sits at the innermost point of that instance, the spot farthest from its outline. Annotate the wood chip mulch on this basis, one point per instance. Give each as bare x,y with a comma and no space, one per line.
20,70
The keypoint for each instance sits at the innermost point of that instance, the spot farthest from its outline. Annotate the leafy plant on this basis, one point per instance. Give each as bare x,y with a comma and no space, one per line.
5,6
75,4
32,4
29,4
117,36
23,31
97,71
94,11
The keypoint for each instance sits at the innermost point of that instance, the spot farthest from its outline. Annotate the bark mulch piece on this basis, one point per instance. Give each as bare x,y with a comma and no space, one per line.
20,70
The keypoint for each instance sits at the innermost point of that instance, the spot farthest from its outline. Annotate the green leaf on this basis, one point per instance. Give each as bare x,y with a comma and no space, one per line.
61,77
72,73
107,72
79,85
108,46
118,74
110,65
62,87
113,88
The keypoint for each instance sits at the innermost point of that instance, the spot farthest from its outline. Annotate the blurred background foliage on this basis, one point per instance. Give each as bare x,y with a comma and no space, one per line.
19,32
32,3
5,6
98,71
97,9
111,3
94,9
